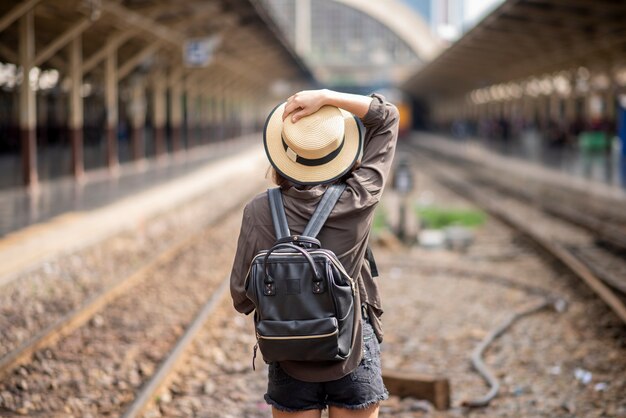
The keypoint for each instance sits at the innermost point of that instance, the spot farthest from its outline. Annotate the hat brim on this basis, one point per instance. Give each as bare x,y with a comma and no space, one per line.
311,175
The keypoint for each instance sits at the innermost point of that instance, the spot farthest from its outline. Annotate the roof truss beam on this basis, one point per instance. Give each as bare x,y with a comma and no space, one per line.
16,12
143,23
62,40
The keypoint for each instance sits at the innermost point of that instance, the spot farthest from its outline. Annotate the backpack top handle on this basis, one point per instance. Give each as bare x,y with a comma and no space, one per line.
268,279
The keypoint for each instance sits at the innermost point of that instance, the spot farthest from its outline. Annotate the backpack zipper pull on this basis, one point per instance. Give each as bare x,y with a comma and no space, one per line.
254,354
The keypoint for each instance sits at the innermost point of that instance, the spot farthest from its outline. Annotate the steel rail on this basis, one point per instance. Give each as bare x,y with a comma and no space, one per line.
79,316
160,378
601,225
557,250
606,231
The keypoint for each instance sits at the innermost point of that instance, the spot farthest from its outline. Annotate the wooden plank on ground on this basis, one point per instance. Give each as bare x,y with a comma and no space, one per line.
435,389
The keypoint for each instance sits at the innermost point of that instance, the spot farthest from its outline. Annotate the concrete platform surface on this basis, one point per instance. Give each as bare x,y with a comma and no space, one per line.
74,224
20,208
477,152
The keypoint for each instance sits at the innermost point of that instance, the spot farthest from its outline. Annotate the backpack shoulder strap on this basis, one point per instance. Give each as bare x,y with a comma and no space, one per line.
323,209
281,227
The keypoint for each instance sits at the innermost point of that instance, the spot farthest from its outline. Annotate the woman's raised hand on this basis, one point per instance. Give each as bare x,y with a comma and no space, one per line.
305,103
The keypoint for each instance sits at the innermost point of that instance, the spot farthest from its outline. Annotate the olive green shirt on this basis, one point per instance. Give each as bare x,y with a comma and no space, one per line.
346,233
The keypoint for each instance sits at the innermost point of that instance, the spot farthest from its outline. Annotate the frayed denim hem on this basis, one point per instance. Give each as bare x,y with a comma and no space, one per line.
280,407
363,405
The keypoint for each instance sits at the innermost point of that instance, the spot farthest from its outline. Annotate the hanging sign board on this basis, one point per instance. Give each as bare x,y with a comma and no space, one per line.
198,52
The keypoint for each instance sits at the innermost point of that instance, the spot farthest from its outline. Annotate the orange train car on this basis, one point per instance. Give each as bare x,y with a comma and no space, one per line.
406,115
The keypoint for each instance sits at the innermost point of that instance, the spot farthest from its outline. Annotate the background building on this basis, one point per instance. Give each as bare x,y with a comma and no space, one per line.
356,45
450,19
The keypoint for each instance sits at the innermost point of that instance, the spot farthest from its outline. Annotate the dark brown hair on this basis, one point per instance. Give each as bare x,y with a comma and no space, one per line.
278,179
285,184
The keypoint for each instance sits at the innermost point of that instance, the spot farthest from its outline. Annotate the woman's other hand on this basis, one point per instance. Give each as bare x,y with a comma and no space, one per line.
305,103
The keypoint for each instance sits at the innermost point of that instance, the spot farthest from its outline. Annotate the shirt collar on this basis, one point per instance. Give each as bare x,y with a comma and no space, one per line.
306,192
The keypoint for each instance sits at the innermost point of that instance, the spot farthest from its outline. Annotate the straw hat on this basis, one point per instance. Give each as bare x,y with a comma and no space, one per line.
318,148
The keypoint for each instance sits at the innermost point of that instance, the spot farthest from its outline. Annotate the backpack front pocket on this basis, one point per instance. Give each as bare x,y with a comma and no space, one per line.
306,339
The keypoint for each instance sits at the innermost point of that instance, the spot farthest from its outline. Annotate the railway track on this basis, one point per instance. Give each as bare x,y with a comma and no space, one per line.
116,348
577,240
563,201
150,389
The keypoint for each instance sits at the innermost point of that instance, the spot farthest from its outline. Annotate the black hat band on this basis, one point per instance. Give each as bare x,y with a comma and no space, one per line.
317,161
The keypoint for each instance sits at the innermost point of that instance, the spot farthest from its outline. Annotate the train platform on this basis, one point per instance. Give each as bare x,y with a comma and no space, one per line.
20,208
502,269
140,324
65,216
544,171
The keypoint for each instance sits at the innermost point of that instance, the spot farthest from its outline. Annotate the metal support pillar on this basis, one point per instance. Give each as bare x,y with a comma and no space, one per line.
238,114
526,112
197,118
188,113
42,120
194,125
159,108
28,111
199,108
570,108
110,83
235,114
222,109
192,115
176,116
205,110
219,103
591,107
208,91
554,106
138,121
610,109
218,126
250,118
224,116
245,116
229,108
76,108
621,131
303,27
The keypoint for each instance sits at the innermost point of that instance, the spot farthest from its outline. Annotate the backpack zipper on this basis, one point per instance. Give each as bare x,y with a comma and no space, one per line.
297,337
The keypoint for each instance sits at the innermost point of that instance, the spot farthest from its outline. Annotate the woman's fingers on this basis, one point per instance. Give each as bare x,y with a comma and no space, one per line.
300,114
303,103
290,107
293,104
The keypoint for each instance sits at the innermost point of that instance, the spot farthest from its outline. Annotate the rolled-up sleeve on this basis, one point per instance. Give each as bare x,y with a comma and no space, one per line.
243,257
381,123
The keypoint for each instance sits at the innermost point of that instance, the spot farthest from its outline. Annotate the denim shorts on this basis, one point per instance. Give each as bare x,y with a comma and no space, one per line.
357,390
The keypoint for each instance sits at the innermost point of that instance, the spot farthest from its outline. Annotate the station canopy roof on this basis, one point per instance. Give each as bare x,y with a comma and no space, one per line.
524,38
249,46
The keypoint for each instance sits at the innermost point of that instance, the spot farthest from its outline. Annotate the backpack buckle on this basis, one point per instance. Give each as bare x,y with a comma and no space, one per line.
300,240
364,313
318,286
269,289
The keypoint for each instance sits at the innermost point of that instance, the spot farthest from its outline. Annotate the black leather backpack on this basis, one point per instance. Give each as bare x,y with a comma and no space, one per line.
304,297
